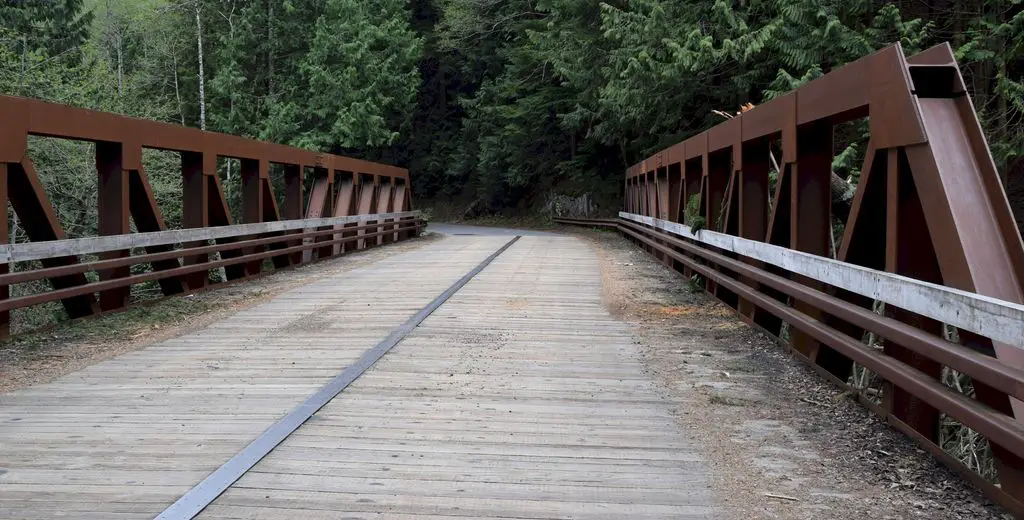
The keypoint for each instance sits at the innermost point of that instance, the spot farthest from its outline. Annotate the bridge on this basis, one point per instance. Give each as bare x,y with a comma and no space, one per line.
486,373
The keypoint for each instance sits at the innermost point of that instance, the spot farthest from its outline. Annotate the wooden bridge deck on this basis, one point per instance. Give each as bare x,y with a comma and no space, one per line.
519,397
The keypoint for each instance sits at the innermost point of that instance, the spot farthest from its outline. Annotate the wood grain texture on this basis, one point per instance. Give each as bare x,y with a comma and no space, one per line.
128,436
520,397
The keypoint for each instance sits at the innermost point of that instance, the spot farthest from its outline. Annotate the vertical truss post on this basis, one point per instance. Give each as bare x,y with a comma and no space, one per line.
661,188
385,192
753,202
811,221
628,194
641,186
909,252
634,198
675,200
345,206
400,206
292,209
195,209
114,214
13,148
327,174
716,180
253,171
391,208
651,194
5,290
379,203
634,187
367,202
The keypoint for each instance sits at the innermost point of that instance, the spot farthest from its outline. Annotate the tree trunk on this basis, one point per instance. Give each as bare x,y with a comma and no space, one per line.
270,48
120,64
842,196
202,80
177,93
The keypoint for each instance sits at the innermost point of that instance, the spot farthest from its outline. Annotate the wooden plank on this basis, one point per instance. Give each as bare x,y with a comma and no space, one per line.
146,426
270,504
521,397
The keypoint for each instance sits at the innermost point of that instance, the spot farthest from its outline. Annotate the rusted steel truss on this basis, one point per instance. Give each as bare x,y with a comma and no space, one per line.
342,186
928,206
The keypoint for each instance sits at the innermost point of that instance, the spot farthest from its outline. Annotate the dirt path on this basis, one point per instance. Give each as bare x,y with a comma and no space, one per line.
43,356
782,443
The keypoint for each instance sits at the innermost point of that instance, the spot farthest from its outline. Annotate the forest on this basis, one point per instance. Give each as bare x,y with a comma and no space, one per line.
497,107
494,105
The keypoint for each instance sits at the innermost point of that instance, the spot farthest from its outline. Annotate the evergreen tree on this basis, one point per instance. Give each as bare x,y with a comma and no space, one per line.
358,80
54,27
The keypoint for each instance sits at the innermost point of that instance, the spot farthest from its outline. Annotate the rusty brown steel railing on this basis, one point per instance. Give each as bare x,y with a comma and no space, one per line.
929,235
352,204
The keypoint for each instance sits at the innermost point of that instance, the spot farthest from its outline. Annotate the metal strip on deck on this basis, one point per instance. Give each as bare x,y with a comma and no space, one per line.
522,396
200,496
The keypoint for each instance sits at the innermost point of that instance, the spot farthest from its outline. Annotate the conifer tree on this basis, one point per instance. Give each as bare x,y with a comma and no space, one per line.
55,27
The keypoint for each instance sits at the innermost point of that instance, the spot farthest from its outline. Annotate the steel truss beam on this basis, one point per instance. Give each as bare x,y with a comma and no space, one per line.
929,206
125,198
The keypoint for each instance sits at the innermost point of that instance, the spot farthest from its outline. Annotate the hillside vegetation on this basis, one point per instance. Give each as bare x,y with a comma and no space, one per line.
493,104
